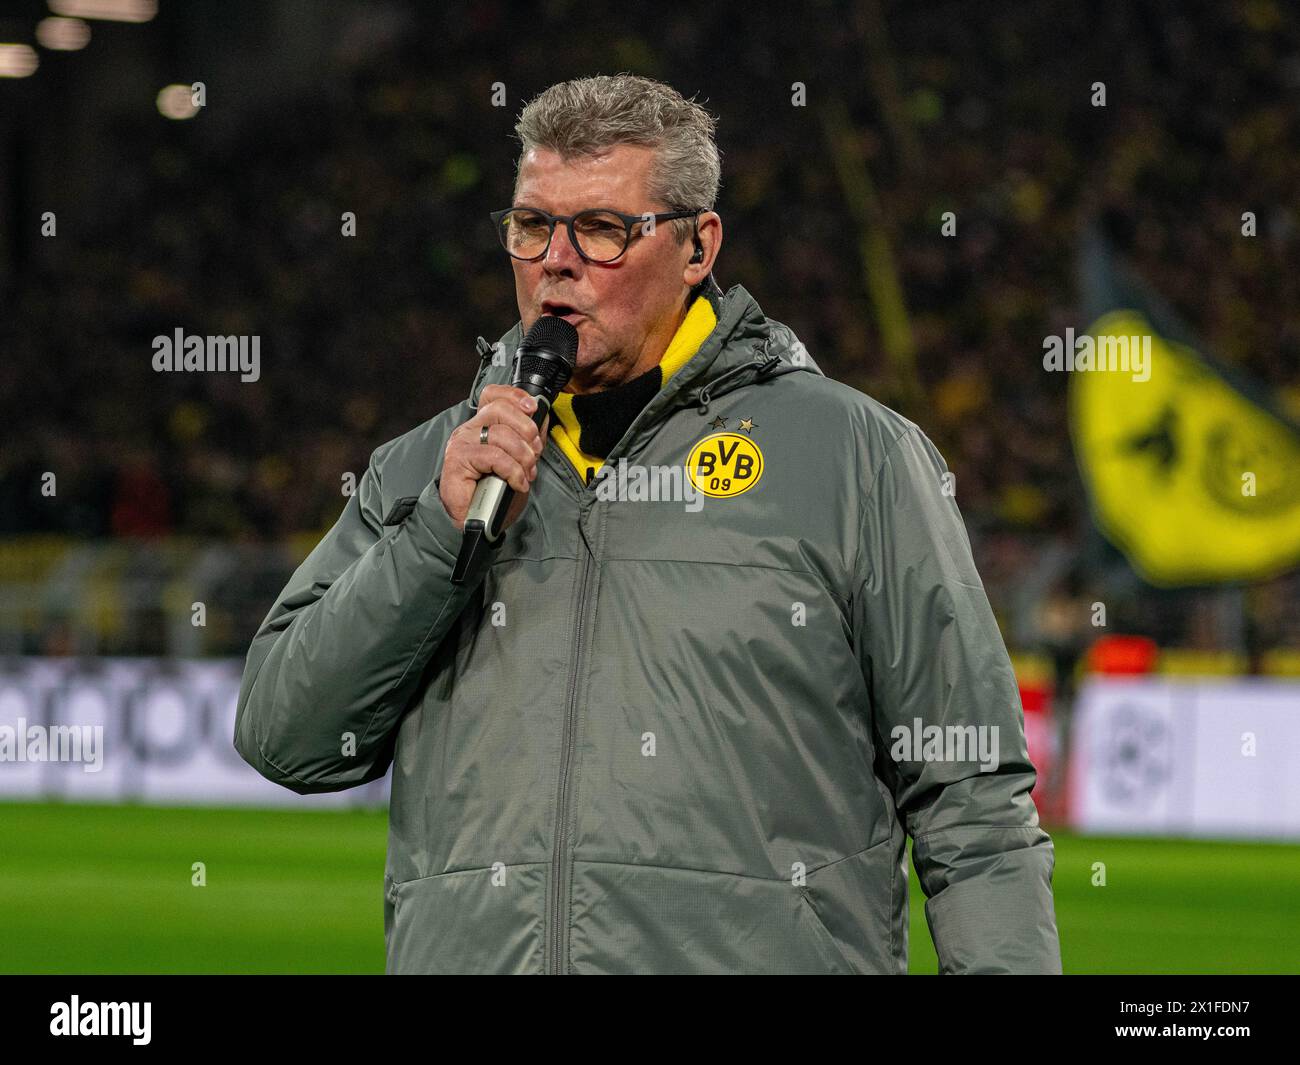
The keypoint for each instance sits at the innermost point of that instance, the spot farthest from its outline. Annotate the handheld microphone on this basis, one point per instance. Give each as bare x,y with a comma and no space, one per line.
543,365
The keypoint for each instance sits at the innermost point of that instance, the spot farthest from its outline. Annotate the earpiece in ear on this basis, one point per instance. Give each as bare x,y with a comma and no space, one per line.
698,257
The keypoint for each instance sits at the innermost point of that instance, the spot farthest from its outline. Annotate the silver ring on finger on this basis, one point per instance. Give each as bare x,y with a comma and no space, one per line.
483,434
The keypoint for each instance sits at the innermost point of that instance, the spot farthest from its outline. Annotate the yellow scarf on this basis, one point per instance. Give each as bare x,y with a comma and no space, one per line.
696,326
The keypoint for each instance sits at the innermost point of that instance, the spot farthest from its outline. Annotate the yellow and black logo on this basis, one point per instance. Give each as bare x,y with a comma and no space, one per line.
724,465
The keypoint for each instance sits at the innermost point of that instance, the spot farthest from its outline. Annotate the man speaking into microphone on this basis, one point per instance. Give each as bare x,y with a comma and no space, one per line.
631,733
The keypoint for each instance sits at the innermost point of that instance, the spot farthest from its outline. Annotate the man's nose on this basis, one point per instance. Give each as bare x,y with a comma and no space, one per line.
562,255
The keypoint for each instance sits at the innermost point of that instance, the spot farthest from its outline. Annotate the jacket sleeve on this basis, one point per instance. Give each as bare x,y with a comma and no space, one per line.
340,654
932,655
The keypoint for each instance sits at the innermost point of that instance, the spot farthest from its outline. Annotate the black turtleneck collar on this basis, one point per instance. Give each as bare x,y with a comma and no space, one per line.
603,417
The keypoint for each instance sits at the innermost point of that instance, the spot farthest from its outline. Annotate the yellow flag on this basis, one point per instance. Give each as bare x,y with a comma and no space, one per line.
1188,477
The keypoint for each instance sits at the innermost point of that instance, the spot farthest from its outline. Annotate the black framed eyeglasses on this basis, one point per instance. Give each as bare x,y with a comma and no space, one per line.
599,235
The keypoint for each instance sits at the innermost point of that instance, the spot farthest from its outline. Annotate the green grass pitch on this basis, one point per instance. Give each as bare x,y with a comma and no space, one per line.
107,889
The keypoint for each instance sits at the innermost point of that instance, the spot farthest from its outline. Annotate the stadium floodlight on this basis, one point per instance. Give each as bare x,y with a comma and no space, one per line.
108,10
17,61
60,34
176,102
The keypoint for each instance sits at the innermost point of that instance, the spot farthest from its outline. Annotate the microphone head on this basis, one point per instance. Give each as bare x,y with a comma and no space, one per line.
546,357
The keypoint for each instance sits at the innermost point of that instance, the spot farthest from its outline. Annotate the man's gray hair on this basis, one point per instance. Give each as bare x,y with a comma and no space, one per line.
588,116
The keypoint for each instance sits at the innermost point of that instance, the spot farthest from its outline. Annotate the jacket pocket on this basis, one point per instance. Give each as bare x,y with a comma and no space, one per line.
480,921
821,931
855,902
643,919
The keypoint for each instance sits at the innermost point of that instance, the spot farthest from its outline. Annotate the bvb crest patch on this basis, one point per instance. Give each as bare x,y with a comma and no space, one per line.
724,465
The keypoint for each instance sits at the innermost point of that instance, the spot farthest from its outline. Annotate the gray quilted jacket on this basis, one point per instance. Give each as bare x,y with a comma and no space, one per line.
666,734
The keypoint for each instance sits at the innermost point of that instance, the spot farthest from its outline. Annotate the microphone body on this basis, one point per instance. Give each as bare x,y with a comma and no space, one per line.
543,365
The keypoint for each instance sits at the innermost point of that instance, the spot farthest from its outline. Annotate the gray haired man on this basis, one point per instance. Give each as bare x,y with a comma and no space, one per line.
652,737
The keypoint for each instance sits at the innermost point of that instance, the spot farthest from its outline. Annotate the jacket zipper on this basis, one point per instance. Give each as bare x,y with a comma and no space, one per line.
557,932
559,924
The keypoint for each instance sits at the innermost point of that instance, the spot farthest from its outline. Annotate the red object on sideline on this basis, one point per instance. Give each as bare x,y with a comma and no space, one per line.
1123,655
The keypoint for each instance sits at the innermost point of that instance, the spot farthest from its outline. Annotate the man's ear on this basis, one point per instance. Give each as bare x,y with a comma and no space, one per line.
708,241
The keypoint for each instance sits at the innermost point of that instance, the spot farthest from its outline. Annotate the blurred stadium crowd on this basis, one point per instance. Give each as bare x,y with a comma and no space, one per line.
363,338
